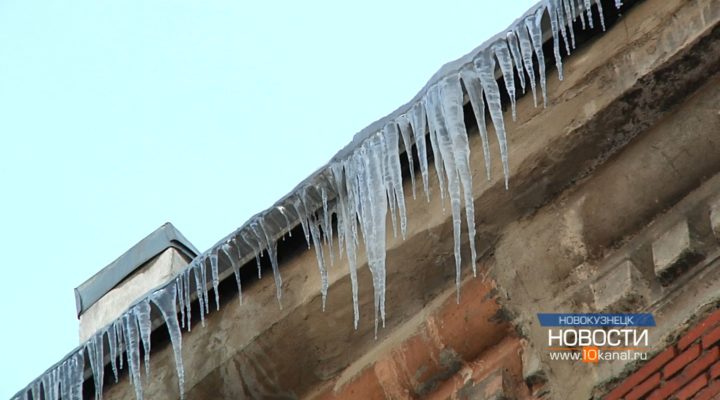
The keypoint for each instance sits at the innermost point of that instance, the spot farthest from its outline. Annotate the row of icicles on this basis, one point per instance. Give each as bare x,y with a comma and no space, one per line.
365,186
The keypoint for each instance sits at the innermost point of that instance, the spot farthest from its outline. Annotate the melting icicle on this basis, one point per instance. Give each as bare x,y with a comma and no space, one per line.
446,154
302,213
569,18
556,24
181,297
272,253
214,275
112,347
485,65
317,244
418,122
373,208
347,222
327,224
526,50
393,176
132,349
94,348
199,289
405,131
76,366
470,78
282,211
35,391
439,165
601,13
118,328
506,67
165,300
533,26
142,312
512,41
188,304
255,250
203,282
452,107
588,10
236,269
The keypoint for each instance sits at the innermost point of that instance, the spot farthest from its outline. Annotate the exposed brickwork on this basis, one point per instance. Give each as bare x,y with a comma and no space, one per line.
689,369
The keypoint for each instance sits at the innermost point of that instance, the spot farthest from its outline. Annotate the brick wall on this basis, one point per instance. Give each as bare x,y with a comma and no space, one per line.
689,369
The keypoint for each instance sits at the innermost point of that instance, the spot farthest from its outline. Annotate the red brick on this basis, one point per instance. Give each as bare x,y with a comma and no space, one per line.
702,364
692,388
638,376
711,337
641,389
681,360
697,331
709,392
715,370
690,372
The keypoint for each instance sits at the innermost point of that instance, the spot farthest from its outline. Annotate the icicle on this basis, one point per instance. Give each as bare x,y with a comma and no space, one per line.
512,41
526,50
452,107
186,292
282,211
470,78
118,328
588,10
601,13
255,250
533,26
112,347
203,282
272,253
214,275
506,67
181,297
165,300
569,13
373,212
36,389
132,349
393,175
439,165
405,131
346,218
76,367
447,155
581,13
236,269
485,65
94,348
317,244
199,289
556,24
301,212
418,122
50,384
327,225
142,312
618,4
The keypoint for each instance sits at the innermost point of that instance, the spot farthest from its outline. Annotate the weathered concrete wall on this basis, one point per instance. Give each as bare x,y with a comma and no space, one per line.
622,156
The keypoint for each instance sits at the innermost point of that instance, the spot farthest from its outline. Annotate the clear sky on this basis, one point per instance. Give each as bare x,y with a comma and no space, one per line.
117,116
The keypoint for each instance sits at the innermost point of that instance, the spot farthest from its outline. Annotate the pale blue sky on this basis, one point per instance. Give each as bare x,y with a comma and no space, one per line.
117,116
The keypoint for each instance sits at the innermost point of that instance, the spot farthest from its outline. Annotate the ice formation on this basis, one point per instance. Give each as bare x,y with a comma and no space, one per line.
350,198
